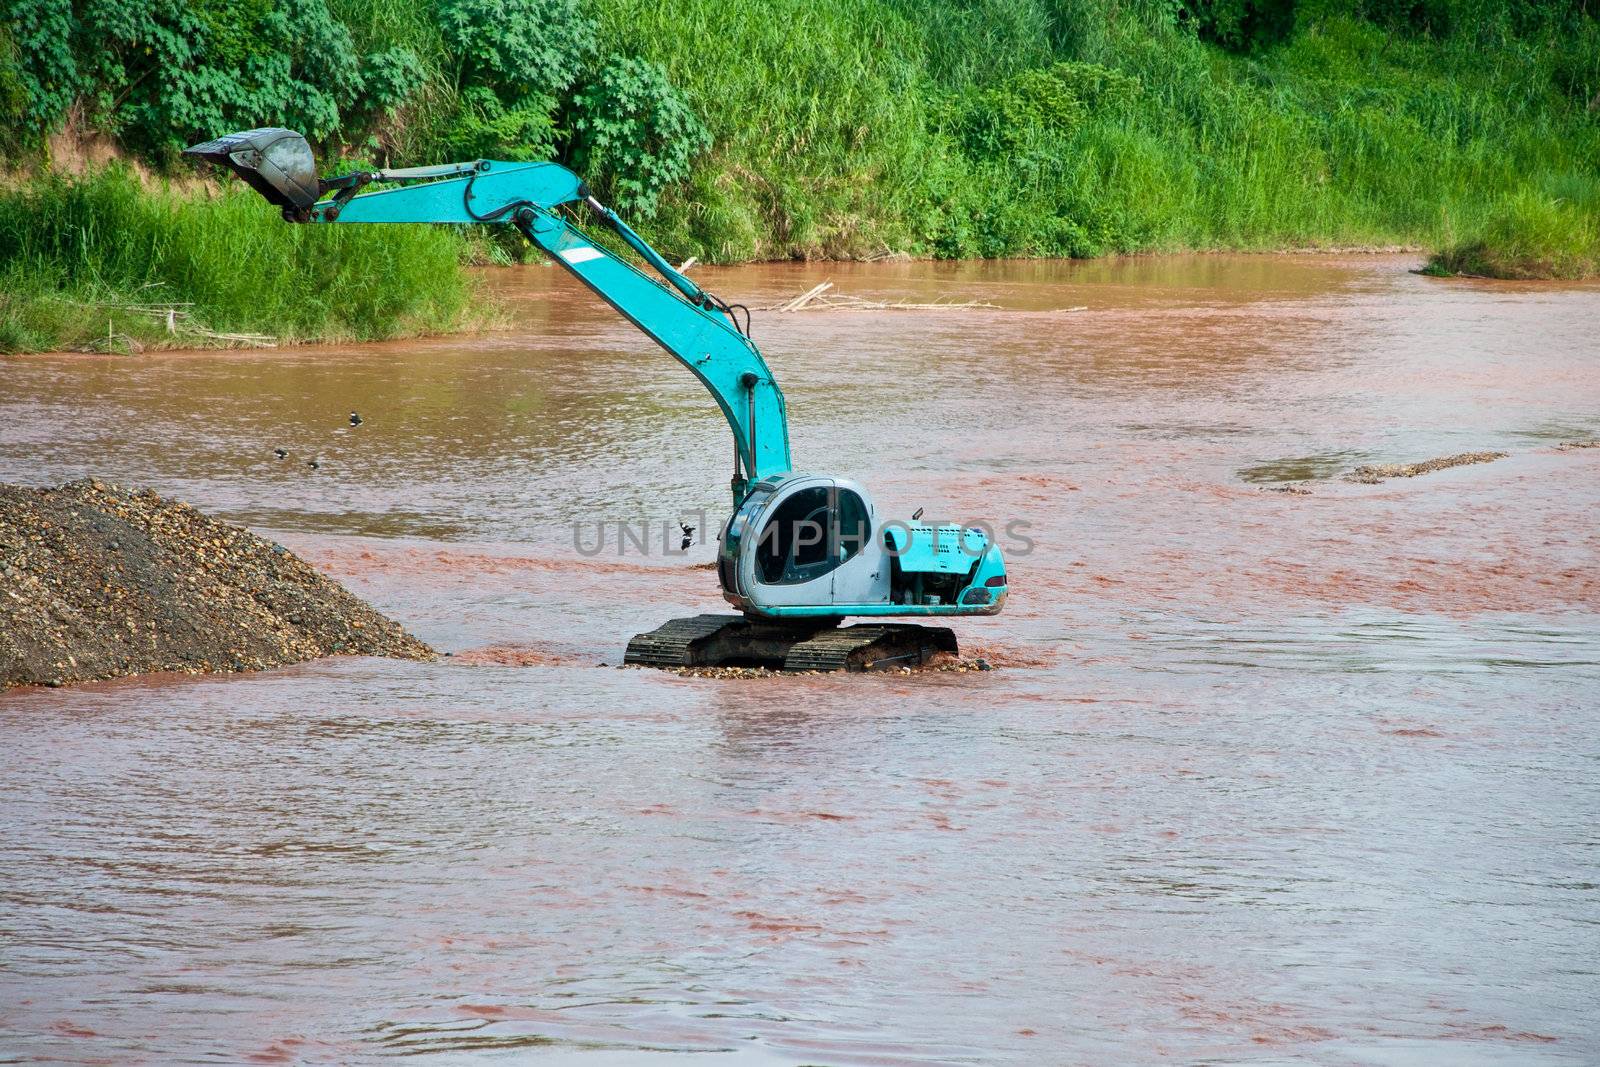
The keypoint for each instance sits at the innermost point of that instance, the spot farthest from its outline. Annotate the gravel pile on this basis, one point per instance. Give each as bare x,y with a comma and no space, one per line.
1373,473
97,581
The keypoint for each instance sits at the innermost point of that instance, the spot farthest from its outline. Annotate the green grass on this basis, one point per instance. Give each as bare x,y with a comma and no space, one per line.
1529,235
76,252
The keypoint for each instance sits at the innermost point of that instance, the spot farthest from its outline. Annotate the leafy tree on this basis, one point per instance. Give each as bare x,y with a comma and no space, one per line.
42,67
517,48
13,93
161,74
394,77
512,60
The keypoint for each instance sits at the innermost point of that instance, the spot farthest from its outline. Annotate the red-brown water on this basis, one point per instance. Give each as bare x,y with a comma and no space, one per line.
1263,778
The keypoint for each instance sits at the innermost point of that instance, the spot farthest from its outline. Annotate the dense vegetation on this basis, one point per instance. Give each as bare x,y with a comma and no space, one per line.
770,128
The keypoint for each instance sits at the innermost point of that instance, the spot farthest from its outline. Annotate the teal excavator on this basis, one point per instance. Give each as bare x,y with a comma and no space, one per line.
800,551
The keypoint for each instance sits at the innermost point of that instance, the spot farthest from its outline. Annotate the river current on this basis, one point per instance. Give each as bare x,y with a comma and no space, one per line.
1261,777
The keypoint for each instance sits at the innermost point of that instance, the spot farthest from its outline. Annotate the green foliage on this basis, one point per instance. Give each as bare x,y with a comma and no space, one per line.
517,48
635,132
72,250
161,74
394,77
1575,67
485,128
1080,127
1240,25
45,70
1495,23
13,93
801,128
1044,102
511,60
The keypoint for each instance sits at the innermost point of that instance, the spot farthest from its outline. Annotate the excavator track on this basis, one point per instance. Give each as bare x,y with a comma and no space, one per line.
865,648
734,640
677,643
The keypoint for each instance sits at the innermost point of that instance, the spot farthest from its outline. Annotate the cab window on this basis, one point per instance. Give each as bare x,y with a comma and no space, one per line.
811,533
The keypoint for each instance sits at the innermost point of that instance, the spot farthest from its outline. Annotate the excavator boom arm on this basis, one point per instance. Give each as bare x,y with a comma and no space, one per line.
694,327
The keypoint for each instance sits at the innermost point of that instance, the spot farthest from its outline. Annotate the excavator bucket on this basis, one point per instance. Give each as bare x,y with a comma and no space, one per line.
277,163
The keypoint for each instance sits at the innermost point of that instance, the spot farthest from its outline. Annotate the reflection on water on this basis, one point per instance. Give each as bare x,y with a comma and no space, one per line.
1263,778
1302,468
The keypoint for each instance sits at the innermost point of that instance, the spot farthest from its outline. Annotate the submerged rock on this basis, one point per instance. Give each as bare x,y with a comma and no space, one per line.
97,581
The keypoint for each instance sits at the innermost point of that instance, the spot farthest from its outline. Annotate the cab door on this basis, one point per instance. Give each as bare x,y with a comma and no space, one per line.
860,569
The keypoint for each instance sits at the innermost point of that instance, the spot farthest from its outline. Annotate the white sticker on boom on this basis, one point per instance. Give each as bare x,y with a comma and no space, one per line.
581,254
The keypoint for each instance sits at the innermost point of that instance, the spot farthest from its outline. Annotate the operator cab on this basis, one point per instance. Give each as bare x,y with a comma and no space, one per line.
810,545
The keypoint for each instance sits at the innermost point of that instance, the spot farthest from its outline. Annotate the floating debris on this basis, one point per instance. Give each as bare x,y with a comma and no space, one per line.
175,316
819,298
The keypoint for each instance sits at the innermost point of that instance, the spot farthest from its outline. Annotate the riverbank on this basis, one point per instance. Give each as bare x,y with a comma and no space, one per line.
972,135
736,132
132,328
115,261
1528,238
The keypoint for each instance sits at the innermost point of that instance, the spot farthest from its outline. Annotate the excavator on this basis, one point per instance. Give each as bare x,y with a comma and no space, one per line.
800,552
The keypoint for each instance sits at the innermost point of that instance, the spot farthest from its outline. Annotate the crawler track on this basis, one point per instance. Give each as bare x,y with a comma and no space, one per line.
679,643
865,648
733,640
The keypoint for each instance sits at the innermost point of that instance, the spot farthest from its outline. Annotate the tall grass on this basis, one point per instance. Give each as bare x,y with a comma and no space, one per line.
75,253
1529,235
839,129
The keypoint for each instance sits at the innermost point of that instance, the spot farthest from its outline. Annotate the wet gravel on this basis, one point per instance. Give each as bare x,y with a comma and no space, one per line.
98,581
1373,473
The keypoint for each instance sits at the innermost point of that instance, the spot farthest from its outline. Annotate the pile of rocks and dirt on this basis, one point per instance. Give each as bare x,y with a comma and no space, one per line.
97,581
1373,473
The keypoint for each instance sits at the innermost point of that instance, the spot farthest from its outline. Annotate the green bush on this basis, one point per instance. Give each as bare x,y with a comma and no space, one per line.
45,70
634,132
484,127
13,93
161,74
517,48
1045,102
512,59
1240,25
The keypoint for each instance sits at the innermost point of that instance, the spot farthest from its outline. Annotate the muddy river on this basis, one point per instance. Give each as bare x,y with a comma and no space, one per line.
1262,777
